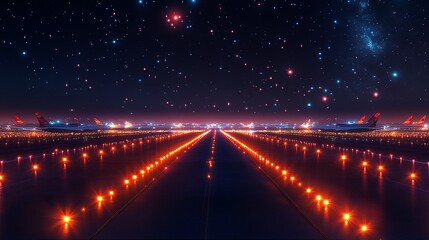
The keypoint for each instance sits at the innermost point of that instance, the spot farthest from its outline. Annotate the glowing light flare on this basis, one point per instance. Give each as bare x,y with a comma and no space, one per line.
66,219
380,168
346,217
343,157
35,167
308,190
364,228
99,199
326,202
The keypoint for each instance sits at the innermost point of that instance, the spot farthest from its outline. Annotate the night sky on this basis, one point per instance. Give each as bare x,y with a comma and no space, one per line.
132,58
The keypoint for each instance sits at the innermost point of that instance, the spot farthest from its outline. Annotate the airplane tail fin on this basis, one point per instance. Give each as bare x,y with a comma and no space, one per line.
18,121
373,120
41,119
408,121
362,119
97,122
422,120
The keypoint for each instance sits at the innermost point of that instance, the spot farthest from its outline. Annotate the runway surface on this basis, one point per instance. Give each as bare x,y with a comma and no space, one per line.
213,184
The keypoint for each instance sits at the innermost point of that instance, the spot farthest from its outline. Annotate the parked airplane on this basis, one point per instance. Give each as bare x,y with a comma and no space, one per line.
20,125
362,120
407,124
352,127
68,127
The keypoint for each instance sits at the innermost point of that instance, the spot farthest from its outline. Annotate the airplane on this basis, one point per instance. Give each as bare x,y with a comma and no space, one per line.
68,127
370,125
362,120
21,126
407,124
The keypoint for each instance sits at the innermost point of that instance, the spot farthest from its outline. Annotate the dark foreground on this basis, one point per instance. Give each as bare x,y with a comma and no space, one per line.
213,185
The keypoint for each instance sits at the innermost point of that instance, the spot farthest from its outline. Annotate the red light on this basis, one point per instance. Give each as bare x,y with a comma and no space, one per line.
290,72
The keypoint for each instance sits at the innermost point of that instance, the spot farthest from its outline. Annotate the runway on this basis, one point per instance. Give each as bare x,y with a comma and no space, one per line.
213,185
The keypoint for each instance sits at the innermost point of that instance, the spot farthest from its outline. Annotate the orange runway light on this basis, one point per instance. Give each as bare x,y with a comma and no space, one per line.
99,198
284,172
343,157
412,175
111,193
364,228
101,152
64,159
1,178
318,198
380,168
308,190
326,202
85,155
126,181
364,163
135,177
66,219
35,167
346,216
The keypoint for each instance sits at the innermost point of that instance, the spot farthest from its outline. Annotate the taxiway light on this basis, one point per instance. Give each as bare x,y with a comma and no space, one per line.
326,202
346,216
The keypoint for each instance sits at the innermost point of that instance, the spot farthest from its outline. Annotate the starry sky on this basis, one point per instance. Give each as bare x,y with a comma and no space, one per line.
136,58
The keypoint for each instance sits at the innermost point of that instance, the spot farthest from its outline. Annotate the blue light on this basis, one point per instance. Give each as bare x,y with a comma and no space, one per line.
395,74
309,104
140,1
338,81
24,53
114,41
